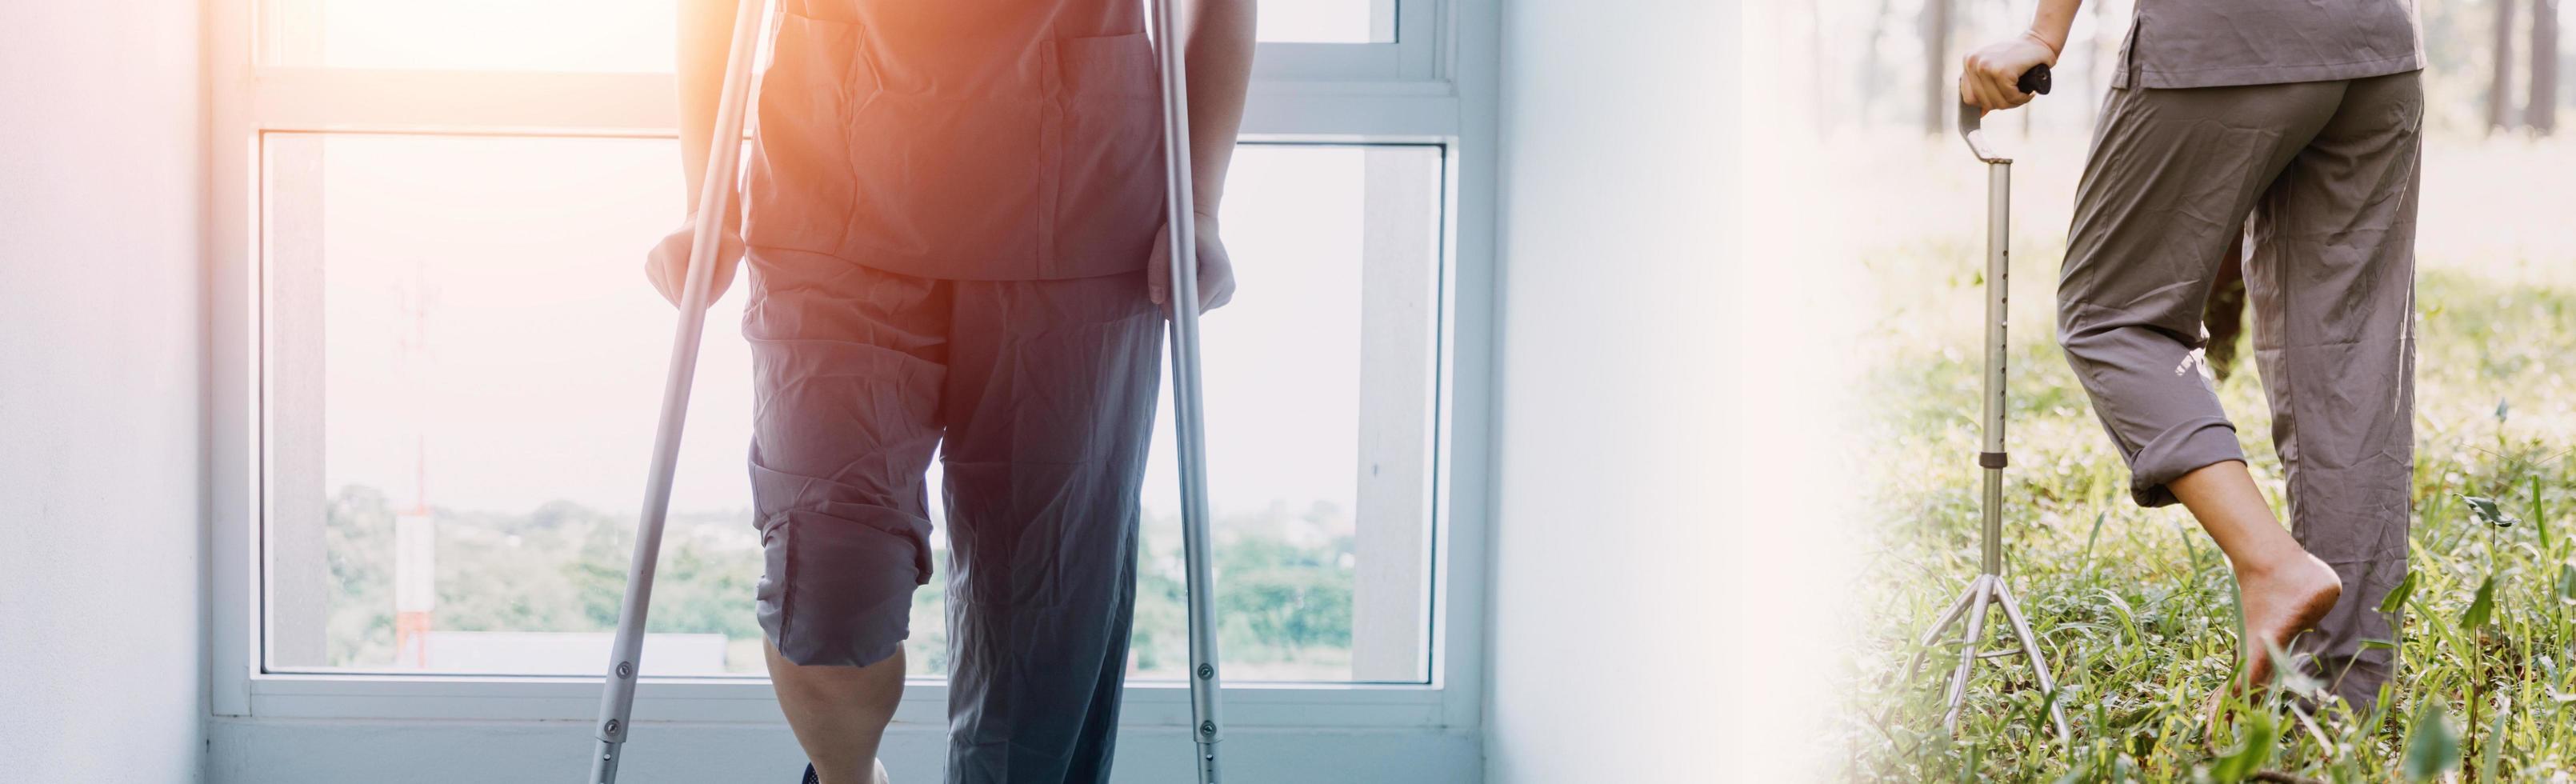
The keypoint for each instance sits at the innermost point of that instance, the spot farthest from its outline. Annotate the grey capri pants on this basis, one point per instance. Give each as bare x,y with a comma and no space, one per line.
1038,397
2327,171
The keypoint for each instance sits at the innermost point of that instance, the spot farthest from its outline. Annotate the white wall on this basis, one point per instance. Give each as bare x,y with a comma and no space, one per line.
1617,392
100,366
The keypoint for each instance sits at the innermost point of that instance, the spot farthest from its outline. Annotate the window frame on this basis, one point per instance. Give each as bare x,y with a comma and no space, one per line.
1433,85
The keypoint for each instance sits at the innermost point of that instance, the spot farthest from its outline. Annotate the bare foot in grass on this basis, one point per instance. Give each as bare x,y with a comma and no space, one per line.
2279,600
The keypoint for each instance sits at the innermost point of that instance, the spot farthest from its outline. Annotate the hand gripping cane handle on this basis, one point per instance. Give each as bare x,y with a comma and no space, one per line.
2035,81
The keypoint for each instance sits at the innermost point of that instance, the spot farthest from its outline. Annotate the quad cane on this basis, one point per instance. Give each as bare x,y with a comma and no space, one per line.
1188,436
715,201
1989,587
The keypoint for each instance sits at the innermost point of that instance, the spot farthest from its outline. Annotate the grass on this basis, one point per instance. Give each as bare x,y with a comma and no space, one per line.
2134,607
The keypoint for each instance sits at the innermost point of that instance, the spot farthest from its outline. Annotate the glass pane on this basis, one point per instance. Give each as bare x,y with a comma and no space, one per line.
465,366
1329,21
596,36
609,36
1317,378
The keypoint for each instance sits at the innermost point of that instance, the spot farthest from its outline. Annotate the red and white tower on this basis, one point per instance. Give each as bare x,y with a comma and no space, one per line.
415,533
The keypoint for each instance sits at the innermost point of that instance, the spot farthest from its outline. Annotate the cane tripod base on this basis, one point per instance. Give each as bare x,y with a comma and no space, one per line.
1984,591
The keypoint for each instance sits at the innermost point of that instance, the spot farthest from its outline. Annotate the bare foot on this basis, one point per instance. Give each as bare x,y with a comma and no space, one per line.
2280,601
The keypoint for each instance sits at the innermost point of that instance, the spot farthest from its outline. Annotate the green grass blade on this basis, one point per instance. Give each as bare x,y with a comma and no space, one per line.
2432,747
2482,608
2491,758
2396,599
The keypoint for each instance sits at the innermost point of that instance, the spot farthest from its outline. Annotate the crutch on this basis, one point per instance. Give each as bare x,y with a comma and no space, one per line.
1989,587
715,201
1188,435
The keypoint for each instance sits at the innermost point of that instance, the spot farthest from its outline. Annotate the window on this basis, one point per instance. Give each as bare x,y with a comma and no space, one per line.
622,36
464,413
447,366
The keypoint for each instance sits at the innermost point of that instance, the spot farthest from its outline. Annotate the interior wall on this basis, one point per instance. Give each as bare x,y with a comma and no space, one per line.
100,368
1617,248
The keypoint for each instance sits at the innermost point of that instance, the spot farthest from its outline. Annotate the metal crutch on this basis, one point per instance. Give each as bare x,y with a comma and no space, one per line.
715,201
1989,587
1189,437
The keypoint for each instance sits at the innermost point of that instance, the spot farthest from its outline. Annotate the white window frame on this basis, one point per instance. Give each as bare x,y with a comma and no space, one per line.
1436,84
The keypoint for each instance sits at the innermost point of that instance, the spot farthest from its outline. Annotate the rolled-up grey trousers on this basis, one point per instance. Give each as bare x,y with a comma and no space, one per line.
2327,171
1038,397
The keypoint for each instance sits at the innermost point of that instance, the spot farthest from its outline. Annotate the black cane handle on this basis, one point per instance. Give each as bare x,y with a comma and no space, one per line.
2034,81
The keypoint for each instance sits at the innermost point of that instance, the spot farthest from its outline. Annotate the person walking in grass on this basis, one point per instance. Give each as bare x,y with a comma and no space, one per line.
2308,117
955,226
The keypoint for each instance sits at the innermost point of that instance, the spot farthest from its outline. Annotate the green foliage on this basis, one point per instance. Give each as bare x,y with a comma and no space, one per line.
2262,737
1287,595
562,568
2487,511
358,545
2397,596
2432,747
1284,603
2480,608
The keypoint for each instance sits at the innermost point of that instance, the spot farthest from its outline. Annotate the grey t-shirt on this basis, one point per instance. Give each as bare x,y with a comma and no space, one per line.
960,139
2215,43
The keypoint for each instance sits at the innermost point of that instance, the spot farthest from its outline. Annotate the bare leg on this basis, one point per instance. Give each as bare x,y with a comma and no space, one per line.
2285,589
839,713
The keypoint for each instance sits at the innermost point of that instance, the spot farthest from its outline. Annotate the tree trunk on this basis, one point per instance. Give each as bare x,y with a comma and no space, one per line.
2541,112
1870,82
2094,71
1940,93
2500,87
1820,72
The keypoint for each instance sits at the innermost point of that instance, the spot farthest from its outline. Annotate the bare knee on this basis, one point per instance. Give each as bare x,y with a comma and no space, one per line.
877,685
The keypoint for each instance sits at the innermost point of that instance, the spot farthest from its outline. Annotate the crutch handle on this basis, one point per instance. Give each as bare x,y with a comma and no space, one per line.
2035,81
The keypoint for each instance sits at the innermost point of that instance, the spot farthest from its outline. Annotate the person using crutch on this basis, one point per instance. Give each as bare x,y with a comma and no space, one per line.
955,241
2309,117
